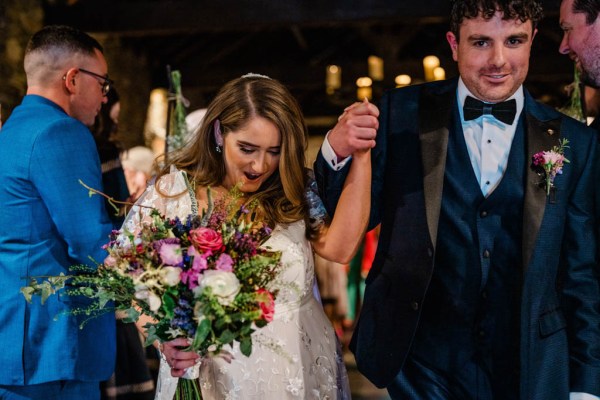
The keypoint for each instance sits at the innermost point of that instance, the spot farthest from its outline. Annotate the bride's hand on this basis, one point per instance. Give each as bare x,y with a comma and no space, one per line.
178,359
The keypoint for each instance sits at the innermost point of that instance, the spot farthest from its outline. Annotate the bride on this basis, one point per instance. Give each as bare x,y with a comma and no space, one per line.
253,135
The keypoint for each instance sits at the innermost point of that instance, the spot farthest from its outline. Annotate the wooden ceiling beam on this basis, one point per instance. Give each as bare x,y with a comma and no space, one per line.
168,17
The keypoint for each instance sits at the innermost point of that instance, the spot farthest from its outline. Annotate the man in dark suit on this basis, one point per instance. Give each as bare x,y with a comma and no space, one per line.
483,285
49,222
581,40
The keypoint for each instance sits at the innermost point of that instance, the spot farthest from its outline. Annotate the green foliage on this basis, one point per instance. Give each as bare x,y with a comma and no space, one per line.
179,131
574,107
107,289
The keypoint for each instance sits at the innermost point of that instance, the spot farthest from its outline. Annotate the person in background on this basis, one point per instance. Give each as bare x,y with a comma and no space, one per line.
332,281
49,222
483,283
581,40
138,163
104,130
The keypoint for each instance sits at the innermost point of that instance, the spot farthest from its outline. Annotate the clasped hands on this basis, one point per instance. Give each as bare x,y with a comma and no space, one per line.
355,130
179,360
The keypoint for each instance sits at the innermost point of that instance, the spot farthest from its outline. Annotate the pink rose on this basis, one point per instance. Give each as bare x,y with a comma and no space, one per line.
170,253
266,303
224,263
110,261
553,157
206,239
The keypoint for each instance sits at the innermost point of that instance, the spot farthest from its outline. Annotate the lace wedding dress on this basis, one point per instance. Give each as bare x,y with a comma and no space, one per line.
296,356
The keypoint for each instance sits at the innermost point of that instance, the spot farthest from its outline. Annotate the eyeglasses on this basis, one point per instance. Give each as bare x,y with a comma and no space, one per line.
106,83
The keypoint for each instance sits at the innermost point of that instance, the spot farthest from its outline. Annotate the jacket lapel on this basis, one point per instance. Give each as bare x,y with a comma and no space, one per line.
434,119
543,133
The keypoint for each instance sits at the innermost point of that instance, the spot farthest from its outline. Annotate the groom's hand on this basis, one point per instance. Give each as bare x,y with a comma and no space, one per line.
356,129
178,359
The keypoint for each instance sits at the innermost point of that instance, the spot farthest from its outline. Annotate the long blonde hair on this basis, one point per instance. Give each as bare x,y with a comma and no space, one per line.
282,196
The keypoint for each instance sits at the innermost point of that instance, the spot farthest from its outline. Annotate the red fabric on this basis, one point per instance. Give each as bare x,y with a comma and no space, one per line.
369,248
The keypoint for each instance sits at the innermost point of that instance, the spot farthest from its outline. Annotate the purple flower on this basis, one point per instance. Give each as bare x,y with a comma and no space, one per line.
199,262
170,253
192,276
224,263
548,164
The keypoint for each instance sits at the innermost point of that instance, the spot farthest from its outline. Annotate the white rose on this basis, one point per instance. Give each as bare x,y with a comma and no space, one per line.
225,285
142,293
170,276
154,302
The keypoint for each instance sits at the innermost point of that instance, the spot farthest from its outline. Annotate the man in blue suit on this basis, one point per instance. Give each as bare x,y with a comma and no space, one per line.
483,284
50,223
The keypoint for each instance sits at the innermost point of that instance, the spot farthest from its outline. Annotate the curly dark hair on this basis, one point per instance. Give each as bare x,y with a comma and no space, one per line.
523,10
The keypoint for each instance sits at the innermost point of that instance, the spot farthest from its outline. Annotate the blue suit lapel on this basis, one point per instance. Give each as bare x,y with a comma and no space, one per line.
543,133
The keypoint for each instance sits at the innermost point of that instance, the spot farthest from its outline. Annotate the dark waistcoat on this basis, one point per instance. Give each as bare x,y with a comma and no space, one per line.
471,310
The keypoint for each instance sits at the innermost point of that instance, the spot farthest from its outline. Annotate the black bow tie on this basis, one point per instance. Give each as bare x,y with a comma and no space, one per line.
504,111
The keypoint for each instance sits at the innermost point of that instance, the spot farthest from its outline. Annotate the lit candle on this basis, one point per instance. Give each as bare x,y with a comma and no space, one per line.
363,92
403,80
333,78
429,64
364,88
375,68
439,74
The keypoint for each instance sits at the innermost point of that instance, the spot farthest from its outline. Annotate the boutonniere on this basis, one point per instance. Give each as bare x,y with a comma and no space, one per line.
548,164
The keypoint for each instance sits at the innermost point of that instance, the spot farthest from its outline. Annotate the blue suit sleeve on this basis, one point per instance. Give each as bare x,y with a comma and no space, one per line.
62,155
331,182
580,287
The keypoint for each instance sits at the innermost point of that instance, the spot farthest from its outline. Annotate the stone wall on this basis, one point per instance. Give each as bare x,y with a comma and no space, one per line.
131,73
19,19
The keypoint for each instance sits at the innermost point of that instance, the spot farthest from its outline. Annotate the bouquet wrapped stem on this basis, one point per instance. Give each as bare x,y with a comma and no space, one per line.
188,389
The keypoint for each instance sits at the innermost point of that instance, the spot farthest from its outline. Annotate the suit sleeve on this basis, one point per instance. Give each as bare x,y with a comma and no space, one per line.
62,155
580,286
331,183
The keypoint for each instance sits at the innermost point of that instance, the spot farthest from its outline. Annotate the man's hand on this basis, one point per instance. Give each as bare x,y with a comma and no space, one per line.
355,130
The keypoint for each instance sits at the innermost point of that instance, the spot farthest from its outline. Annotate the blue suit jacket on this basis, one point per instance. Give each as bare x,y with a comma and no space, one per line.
560,307
48,224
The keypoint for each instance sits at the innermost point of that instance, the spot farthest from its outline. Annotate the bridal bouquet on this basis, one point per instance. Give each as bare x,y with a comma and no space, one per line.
206,278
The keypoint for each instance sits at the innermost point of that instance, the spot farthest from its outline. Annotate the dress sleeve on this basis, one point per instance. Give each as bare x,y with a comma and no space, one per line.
317,213
171,195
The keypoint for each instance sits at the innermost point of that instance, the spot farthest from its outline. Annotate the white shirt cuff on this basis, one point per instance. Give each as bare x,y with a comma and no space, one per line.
582,396
330,156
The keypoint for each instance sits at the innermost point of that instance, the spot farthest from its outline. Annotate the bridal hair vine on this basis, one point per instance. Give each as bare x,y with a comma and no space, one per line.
253,75
548,164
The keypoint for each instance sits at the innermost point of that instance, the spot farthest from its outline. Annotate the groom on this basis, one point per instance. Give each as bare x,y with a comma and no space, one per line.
483,285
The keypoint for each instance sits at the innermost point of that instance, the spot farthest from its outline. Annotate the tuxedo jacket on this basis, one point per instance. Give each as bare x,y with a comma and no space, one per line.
560,298
48,223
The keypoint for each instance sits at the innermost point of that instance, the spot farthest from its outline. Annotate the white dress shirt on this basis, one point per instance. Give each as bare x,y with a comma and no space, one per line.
488,141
